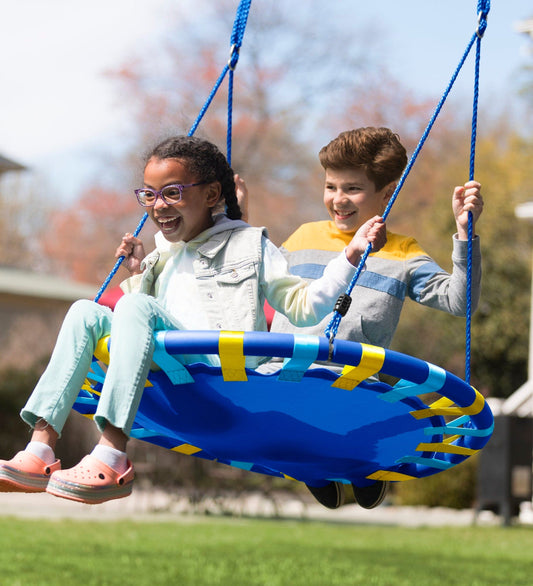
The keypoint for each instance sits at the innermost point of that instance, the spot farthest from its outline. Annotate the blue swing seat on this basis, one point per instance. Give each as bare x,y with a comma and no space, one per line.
308,424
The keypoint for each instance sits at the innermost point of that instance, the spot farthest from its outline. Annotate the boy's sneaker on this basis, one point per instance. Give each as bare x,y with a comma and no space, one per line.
330,496
25,472
371,496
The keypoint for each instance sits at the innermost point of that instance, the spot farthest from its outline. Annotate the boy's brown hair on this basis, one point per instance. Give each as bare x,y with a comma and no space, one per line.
377,151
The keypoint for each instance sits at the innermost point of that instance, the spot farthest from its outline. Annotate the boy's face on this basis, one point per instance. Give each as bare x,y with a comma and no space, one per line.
184,220
351,198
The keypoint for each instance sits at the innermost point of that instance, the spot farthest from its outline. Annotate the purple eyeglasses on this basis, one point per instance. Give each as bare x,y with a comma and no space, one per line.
171,194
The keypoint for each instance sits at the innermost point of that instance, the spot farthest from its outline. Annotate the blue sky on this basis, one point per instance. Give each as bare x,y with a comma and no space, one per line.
428,38
56,105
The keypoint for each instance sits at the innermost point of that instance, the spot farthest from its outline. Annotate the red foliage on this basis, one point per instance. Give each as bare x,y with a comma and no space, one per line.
83,236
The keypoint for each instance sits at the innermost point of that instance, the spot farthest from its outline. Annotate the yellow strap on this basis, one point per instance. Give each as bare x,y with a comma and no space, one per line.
232,359
451,439
186,449
372,358
389,475
441,407
445,448
102,351
86,386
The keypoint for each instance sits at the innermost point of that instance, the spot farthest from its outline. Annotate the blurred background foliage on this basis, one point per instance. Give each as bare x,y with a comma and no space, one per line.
288,103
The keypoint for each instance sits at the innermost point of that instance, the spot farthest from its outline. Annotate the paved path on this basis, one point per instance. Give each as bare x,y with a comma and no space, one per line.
158,505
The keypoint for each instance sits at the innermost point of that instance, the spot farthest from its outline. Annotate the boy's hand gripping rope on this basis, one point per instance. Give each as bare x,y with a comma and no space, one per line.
237,34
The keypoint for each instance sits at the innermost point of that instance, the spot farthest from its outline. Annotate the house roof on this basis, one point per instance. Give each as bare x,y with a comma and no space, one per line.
9,165
30,284
525,26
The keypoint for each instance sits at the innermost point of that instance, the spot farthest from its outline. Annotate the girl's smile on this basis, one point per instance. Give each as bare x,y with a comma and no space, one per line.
184,220
168,224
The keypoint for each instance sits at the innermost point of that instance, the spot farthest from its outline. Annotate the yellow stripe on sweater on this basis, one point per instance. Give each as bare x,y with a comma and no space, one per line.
325,236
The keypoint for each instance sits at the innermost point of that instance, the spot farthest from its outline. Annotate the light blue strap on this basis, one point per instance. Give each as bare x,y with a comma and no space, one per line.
96,373
430,462
242,465
172,367
304,354
140,433
86,401
404,388
455,428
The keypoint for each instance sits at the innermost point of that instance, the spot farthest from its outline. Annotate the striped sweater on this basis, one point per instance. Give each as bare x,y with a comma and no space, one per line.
400,270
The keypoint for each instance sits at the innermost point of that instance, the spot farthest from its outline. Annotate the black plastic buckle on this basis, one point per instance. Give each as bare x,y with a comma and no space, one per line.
343,304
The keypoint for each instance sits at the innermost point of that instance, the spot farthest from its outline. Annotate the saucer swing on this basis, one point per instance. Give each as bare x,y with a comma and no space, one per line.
306,423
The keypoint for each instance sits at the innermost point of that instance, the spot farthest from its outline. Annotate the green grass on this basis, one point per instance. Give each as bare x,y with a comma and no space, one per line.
259,552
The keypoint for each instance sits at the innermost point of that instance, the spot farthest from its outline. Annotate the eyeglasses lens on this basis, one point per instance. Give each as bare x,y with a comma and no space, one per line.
171,194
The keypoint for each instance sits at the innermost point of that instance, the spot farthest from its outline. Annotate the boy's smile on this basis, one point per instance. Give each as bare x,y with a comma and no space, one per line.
351,198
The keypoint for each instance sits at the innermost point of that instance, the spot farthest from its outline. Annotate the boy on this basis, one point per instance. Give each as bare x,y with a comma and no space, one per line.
362,168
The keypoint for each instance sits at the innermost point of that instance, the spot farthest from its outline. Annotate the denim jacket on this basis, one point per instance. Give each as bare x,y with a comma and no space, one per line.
226,268
229,264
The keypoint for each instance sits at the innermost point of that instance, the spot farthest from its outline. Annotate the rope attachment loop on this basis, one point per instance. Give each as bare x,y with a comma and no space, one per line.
483,7
233,57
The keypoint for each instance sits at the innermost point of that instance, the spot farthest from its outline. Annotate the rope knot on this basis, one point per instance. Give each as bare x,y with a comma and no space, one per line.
233,57
483,12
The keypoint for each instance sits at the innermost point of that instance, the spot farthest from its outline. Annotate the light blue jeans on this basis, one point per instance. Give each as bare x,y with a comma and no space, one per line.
131,327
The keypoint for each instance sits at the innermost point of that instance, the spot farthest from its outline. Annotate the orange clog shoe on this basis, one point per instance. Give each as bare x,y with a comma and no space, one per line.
25,472
91,482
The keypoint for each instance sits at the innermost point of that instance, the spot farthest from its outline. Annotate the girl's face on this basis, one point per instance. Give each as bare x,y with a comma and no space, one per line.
351,198
185,219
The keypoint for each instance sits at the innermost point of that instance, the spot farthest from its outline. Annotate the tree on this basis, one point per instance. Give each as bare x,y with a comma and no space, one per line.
499,327
279,105
286,79
23,221
83,236
501,324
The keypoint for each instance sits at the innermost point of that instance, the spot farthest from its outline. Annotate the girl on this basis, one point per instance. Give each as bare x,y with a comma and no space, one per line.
208,271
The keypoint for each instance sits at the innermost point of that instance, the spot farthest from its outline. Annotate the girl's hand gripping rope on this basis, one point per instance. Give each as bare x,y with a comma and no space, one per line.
132,249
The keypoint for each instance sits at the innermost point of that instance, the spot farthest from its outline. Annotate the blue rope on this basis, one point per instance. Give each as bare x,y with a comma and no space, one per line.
230,117
239,26
237,34
483,9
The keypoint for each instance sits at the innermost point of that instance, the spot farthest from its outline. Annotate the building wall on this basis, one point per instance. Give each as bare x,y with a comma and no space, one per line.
29,328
